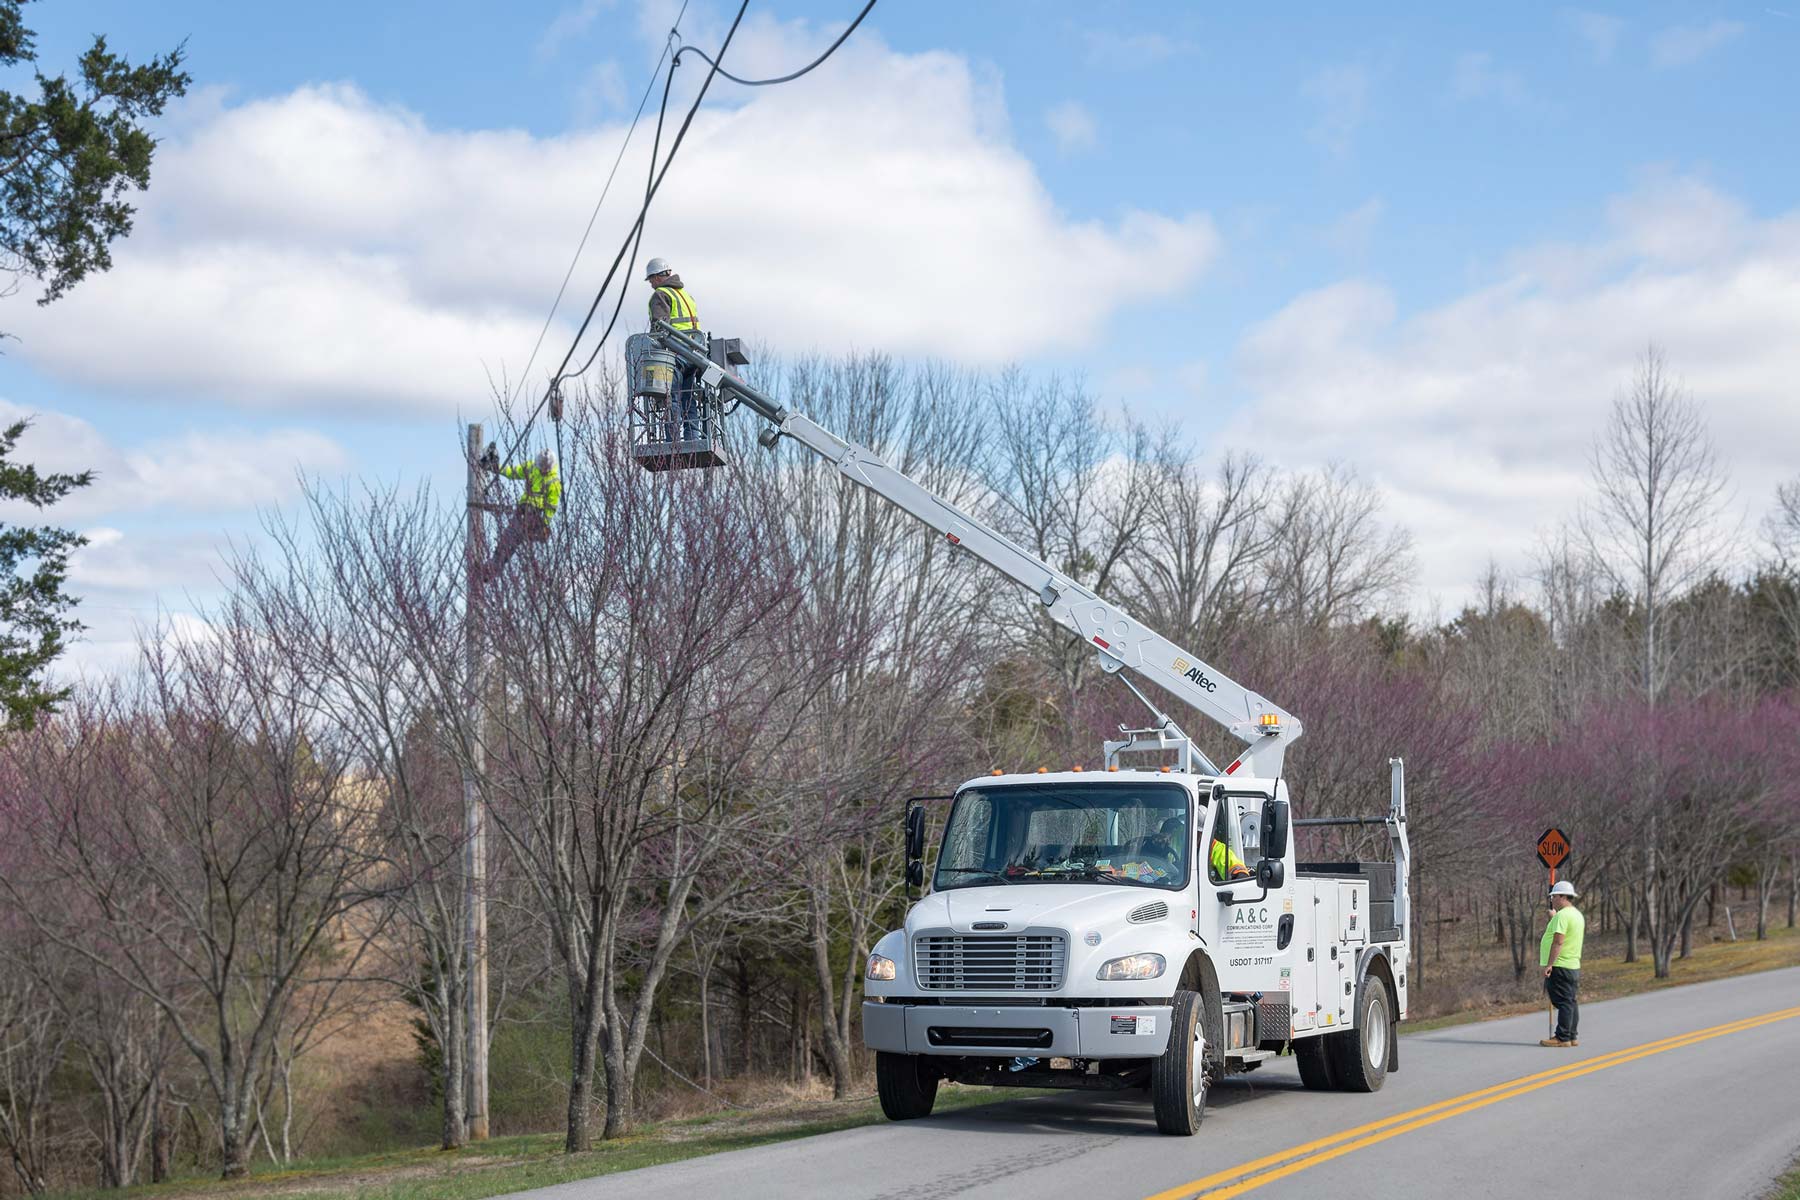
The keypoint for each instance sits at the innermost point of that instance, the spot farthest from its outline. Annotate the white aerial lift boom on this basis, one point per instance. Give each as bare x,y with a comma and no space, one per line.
1106,931
1123,644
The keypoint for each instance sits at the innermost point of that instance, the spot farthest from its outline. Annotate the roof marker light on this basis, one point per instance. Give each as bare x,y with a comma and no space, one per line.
997,771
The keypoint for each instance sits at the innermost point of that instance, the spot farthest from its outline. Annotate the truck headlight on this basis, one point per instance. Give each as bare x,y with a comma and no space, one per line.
1133,966
882,967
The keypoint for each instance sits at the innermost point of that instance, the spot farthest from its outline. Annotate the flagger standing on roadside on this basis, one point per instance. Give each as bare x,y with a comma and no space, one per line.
1560,956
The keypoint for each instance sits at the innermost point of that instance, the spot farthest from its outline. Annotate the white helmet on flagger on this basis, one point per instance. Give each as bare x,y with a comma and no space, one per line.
655,267
1563,887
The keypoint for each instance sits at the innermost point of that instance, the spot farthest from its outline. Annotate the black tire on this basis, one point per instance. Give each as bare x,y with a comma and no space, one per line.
1359,1056
906,1084
1181,1076
1315,1064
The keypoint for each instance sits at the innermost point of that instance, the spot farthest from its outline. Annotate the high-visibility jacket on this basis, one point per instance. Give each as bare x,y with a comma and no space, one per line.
682,314
543,489
1225,862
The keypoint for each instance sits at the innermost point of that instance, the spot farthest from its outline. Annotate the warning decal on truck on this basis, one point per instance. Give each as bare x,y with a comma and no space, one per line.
1141,1026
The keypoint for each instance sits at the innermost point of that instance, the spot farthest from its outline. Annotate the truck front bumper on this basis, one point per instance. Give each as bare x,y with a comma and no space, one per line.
1129,1031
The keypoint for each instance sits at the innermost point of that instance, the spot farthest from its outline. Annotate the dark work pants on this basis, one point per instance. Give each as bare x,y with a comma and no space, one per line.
1562,985
524,526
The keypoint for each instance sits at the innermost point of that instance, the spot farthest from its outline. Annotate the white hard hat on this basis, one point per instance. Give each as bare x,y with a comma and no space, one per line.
1563,887
655,266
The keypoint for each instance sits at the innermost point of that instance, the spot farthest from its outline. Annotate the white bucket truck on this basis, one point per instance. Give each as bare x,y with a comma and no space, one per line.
1122,928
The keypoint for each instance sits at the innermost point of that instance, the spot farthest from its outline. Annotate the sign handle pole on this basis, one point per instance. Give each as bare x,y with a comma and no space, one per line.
1552,1032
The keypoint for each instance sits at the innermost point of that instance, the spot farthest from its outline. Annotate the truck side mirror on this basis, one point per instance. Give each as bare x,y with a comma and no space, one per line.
1271,873
1274,829
915,832
915,872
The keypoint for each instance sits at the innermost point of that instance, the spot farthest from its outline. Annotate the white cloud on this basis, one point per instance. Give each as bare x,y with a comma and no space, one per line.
114,562
320,251
570,25
1477,77
1599,30
196,472
1115,48
1679,45
601,91
1072,125
1342,96
1351,233
1475,416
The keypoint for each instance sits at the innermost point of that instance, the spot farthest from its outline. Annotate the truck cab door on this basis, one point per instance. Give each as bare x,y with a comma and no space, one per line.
1256,929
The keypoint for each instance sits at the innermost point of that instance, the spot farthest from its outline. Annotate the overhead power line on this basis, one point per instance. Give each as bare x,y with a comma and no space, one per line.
562,288
829,51
634,236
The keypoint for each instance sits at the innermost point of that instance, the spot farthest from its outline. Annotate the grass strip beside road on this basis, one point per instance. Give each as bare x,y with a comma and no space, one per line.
1788,1186
1246,1177
511,1164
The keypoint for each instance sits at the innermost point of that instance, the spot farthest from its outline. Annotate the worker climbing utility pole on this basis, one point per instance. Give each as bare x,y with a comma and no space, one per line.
474,816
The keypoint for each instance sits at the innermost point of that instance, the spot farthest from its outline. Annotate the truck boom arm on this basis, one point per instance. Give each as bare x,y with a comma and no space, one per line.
1121,641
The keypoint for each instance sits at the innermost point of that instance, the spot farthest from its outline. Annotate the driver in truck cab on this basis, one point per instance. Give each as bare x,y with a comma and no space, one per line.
1225,861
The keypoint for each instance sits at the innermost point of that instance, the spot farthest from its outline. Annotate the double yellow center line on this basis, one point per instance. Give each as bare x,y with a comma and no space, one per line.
1245,1177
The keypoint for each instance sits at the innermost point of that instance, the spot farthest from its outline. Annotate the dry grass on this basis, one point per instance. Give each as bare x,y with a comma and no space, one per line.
1473,983
515,1163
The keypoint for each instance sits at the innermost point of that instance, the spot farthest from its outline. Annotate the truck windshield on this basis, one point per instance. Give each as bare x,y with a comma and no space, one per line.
1134,834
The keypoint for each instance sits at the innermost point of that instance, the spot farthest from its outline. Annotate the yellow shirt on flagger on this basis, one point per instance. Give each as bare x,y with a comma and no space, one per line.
1572,925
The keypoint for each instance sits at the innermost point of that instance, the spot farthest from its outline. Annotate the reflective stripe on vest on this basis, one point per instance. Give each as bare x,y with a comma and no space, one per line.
683,316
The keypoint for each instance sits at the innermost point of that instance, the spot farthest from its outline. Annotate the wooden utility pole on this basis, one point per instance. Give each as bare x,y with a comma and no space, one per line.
474,815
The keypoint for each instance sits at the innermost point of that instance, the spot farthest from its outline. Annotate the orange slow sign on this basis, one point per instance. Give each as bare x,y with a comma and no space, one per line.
1552,847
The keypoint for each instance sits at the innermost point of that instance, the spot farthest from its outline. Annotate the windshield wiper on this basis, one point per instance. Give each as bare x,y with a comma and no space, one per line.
982,871
1084,871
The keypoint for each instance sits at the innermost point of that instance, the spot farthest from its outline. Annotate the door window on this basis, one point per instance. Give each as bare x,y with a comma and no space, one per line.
1228,855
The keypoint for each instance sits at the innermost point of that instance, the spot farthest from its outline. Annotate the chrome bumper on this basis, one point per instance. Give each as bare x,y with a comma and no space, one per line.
1130,1031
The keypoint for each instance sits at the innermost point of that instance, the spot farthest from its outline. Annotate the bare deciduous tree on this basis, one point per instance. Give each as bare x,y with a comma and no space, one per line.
1658,482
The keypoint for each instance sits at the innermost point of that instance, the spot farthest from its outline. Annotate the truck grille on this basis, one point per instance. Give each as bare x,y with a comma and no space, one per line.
1020,962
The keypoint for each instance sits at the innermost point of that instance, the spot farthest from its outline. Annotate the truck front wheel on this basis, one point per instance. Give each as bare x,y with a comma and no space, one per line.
1178,1079
906,1084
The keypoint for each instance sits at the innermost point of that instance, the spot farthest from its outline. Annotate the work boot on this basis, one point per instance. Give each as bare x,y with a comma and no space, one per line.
1557,1042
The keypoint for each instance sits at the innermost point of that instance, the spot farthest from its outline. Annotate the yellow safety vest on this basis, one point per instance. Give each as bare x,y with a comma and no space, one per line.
543,490
682,313
1225,862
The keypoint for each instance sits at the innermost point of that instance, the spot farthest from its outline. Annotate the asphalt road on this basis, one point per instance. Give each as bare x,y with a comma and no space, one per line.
1677,1093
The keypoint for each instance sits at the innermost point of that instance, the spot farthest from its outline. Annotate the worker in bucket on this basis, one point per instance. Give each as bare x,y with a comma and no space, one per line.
1559,954
670,302
530,520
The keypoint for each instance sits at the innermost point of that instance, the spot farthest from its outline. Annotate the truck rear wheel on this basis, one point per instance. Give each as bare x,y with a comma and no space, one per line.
1179,1078
906,1084
1315,1064
1359,1056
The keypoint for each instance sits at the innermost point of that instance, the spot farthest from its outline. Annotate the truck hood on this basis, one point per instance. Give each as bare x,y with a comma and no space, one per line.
1073,906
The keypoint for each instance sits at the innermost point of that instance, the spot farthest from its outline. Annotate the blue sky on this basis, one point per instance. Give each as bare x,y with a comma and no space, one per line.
1421,240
